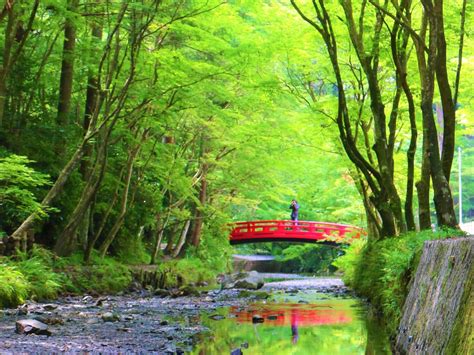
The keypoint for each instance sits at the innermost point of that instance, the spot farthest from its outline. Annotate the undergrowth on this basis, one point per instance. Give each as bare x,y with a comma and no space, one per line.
13,286
41,275
176,273
382,271
100,276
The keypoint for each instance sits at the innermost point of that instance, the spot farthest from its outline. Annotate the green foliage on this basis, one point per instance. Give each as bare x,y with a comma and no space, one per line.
306,258
102,275
13,285
175,273
18,182
43,282
347,263
132,250
381,271
29,277
41,275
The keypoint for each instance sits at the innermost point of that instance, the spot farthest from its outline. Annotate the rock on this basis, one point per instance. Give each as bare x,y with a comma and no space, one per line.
49,320
438,312
50,307
244,294
100,302
31,326
189,290
249,283
87,299
256,318
125,330
217,317
261,295
110,317
161,292
237,351
22,310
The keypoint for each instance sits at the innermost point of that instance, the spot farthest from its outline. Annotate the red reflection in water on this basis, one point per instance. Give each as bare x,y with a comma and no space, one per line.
293,315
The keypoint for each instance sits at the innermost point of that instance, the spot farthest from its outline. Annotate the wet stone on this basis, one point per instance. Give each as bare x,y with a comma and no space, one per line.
50,307
256,318
110,317
217,317
31,326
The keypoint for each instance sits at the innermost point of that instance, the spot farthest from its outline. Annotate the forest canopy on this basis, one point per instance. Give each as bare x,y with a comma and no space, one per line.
142,128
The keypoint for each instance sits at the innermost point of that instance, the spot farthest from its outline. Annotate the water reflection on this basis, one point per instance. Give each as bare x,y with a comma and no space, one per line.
331,326
293,314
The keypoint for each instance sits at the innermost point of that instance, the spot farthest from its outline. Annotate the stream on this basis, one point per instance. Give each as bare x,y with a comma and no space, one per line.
303,315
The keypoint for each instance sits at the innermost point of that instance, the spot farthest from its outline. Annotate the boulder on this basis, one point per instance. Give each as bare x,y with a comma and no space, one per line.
161,292
110,317
250,281
189,290
217,317
31,326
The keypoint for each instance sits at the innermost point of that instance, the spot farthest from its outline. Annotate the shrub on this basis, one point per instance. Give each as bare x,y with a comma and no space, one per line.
13,286
175,273
17,185
37,267
105,275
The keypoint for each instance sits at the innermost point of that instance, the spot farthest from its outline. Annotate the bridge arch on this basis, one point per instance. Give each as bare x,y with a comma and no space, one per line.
293,231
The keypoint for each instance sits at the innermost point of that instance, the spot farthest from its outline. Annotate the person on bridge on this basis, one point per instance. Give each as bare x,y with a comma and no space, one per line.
294,207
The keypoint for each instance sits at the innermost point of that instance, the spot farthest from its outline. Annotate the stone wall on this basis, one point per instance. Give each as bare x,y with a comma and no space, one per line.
438,315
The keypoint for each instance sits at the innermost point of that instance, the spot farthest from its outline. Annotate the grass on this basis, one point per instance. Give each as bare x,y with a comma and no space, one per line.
13,286
190,270
41,275
381,271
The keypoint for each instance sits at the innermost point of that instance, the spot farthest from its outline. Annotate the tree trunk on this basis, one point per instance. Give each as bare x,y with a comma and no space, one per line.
182,239
67,65
199,216
66,243
160,230
57,188
123,205
10,30
449,115
400,58
442,192
92,241
423,187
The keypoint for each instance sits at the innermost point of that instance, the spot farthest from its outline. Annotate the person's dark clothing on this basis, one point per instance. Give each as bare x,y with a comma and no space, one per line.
294,211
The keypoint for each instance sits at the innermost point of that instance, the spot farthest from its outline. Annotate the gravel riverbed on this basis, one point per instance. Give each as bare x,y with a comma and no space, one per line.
133,323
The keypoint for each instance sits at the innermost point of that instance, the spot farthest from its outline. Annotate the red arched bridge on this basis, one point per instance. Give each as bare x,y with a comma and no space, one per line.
293,231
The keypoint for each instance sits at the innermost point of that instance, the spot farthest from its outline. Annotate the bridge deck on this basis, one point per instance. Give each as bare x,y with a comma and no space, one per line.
292,231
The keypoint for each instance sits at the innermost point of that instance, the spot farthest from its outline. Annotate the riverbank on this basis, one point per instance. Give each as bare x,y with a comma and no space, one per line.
146,323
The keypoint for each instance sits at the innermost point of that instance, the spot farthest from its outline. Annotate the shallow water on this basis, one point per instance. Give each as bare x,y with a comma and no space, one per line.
306,322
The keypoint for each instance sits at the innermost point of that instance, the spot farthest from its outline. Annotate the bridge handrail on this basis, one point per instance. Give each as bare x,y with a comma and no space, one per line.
256,229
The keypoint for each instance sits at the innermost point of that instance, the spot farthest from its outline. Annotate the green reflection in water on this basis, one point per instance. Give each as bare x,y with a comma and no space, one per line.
324,326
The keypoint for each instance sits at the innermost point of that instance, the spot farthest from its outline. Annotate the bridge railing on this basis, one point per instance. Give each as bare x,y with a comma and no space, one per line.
294,229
